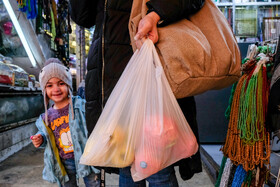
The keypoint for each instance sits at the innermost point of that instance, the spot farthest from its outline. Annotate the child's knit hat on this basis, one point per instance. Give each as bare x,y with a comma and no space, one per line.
53,67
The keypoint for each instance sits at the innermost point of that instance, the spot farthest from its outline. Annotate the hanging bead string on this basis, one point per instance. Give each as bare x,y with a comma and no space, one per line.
247,67
231,175
248,179
239,176
256,177
247,141
253,178
221,171
251,121
226,174
230,149
227,112
264,173
247,109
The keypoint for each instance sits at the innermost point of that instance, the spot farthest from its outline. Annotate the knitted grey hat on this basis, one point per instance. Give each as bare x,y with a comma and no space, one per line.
53,67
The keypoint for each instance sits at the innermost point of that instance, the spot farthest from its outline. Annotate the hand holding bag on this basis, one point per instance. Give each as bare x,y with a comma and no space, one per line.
197,55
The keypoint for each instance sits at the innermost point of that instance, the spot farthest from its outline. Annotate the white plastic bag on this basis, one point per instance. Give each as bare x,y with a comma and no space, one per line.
142,124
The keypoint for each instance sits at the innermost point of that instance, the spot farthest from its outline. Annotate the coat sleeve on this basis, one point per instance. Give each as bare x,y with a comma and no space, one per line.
83,12
171,11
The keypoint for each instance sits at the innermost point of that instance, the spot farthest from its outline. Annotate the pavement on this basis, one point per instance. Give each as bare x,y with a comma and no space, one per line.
24,169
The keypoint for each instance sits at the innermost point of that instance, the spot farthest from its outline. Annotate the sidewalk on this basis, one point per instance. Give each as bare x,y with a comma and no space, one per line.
24,169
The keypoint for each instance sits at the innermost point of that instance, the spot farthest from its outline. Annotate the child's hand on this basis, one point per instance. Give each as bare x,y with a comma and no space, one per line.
37,140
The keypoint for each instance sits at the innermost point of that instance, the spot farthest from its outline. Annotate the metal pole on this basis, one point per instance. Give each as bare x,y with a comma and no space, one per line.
80,54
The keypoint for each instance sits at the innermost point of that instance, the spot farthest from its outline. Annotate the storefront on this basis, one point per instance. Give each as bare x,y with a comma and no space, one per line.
232,157
19,89
29,36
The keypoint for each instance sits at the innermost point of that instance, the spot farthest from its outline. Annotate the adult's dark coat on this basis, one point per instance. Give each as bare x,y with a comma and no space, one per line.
111,50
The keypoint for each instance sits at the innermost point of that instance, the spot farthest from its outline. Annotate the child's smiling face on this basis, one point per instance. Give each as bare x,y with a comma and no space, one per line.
57,90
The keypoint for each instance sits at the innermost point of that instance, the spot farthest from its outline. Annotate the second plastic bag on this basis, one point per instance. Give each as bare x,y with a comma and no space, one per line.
142,125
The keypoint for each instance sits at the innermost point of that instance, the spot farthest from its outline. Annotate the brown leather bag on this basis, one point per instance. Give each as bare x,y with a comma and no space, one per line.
197,55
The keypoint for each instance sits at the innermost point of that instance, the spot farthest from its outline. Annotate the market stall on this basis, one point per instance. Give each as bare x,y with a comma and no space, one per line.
19,89
247,150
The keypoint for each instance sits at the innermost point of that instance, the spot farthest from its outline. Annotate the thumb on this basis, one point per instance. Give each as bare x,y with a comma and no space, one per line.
142,31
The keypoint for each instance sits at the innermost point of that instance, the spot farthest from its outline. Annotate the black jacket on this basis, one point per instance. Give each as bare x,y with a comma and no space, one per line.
111,50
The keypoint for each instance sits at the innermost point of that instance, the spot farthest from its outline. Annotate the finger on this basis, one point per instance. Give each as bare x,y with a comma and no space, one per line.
142,32
35,144
37,136
136,37
37,140
153,36
138,44
139,36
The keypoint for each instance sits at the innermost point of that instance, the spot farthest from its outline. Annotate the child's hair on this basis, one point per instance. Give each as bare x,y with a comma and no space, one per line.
53,67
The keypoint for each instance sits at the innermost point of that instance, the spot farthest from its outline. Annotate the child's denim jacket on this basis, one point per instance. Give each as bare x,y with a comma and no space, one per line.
53,168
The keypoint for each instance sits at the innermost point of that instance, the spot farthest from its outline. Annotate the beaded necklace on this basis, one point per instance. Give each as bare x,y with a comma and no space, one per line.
247,142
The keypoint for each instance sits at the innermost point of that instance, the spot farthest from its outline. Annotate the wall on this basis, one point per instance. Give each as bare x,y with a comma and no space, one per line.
13,140
18,108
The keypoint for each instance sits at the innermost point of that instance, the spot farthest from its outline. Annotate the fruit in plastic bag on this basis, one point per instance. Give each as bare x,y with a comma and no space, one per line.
151,122
118,136
159,135
162,133
123,156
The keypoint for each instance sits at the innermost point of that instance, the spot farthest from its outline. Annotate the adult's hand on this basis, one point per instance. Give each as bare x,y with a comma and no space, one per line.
147,28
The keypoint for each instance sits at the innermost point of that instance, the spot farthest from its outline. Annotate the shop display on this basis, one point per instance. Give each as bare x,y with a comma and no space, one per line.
54,20
6,74
11,47
271,28
20,76
250,18
10,43
29,7
32,81
15,76
246,22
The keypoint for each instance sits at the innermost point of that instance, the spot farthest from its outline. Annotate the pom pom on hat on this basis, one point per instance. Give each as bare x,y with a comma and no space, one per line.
52,60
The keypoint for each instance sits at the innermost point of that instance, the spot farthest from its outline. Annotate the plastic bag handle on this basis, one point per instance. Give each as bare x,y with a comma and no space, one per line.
150,44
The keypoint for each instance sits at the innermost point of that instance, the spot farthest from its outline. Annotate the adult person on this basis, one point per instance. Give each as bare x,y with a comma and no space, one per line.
109,54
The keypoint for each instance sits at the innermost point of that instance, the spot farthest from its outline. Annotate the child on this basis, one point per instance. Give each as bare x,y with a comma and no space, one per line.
62,129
